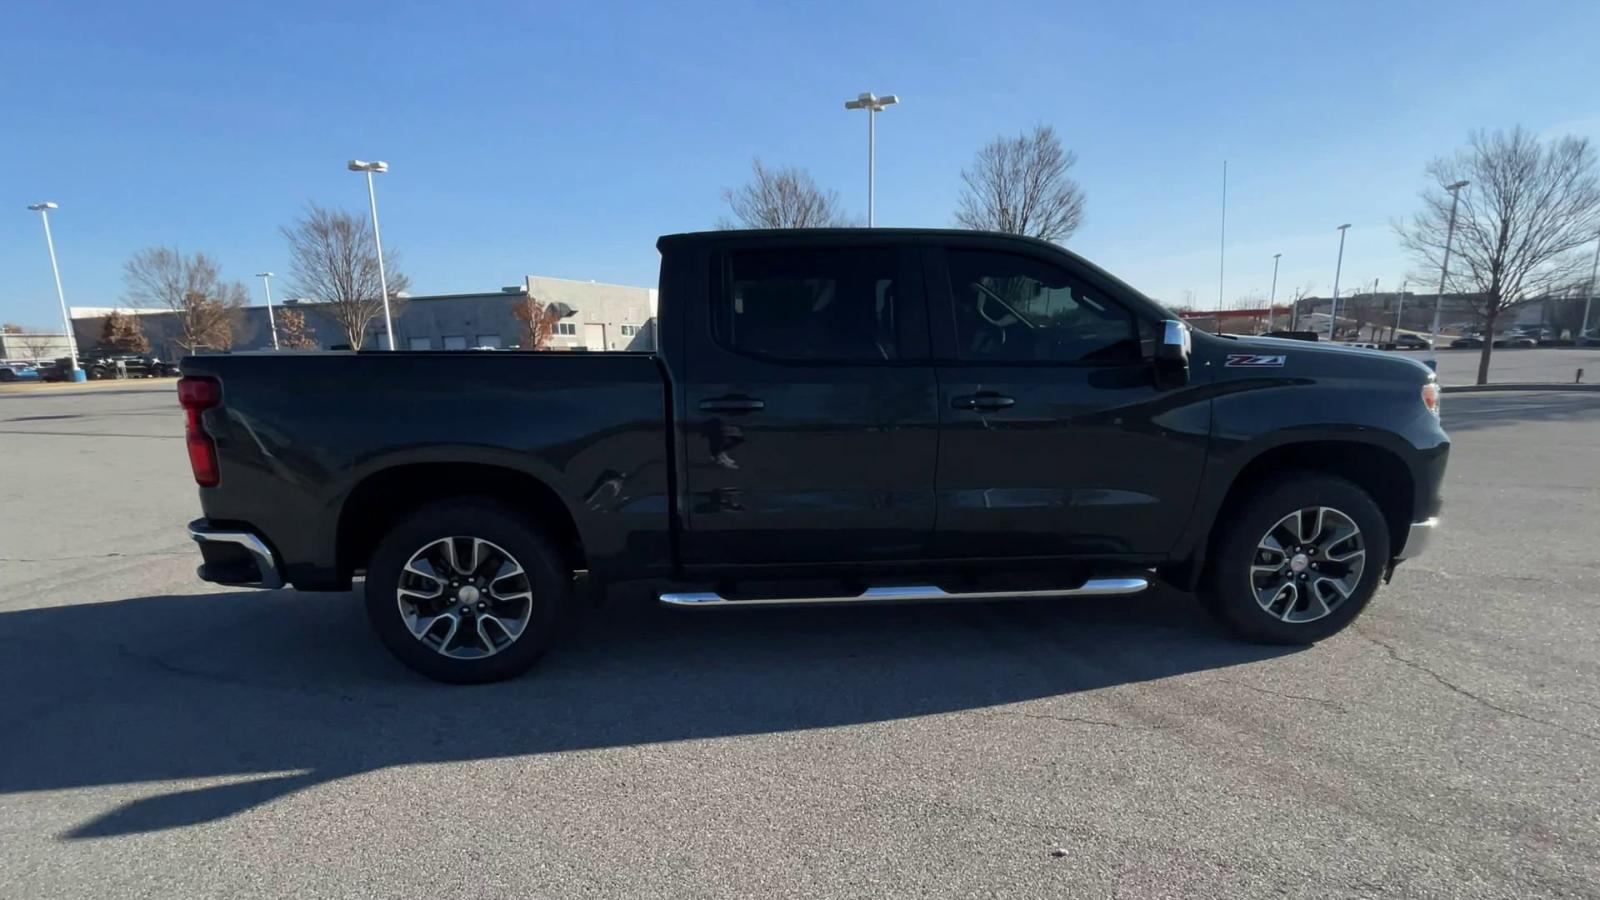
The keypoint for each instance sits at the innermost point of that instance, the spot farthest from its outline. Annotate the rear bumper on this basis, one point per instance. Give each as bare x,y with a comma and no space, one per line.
235,556
1420,536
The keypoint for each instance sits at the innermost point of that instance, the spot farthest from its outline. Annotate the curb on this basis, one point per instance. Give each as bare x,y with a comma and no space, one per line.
1484,388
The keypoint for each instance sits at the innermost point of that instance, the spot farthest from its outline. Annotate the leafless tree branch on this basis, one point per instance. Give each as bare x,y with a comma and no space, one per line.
782,198
1527,208
334,260
1021,185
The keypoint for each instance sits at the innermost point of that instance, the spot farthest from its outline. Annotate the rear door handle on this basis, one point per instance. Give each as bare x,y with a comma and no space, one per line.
732,405
985,401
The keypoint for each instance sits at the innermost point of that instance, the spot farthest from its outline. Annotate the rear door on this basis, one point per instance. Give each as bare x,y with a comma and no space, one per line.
1056,441
809,406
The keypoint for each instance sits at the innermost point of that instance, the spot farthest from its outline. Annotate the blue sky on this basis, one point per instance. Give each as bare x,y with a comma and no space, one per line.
561,139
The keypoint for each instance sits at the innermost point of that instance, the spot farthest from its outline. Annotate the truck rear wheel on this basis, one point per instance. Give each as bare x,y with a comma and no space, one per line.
1298,560
466,592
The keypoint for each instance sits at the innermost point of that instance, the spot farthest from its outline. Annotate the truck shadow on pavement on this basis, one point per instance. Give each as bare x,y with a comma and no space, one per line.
268,693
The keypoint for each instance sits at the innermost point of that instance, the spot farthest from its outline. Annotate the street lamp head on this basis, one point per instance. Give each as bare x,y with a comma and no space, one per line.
263,274
1455,187
361,165
1344,226
872,102
40,207
1276,255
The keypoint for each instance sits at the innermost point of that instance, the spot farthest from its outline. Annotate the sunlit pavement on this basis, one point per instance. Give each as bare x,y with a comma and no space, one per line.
165,738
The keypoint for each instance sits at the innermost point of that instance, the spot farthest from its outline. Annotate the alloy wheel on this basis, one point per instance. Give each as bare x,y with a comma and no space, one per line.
465,597
1308,564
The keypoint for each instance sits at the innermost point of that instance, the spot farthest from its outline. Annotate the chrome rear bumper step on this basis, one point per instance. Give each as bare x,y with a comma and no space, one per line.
1094,587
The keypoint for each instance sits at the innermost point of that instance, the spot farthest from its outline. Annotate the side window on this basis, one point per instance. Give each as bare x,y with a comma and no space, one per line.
810,305
1017,309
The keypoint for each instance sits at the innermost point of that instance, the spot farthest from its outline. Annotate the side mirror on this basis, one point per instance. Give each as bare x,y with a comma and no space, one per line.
1172,354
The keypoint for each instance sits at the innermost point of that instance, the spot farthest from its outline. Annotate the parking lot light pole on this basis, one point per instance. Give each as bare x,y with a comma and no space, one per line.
43,209
1583,327
1272,297
873,105
272,324
361,165
1399,311
1444,266
1333,314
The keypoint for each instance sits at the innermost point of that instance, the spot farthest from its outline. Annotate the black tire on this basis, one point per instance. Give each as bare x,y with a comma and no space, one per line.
549,580
1227,589
7,375
97,374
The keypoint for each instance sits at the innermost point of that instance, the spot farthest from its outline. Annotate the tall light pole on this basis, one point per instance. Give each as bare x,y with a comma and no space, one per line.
43,209
1399,311
1444,266
1272,298
272,324
1222,241
873,105
361,165
1333,315
1583,328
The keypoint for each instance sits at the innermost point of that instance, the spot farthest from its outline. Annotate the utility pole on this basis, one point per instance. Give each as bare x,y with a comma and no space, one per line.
1333,311
1444,266
1272,298
1583,327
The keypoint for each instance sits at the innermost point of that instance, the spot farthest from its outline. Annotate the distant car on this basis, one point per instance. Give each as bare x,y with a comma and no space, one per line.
98,365
1462,343
15,371
1412,342
1514,341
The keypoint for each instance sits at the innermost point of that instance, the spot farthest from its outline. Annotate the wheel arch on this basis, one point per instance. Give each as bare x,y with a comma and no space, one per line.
1377,469
383,497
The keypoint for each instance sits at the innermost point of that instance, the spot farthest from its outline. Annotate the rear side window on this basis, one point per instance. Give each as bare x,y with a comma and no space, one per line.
810,305
1017,309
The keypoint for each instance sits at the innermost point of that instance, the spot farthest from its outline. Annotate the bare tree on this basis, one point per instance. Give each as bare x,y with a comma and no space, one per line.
1021,185
11,328
293,333
333,259
1527,208
36,343
207,307
782,198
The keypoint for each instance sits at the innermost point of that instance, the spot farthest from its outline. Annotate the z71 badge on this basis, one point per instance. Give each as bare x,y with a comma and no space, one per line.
1255,361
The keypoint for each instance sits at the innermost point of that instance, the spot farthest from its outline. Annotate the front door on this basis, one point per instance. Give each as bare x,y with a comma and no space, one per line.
594,336
1056,441
809,408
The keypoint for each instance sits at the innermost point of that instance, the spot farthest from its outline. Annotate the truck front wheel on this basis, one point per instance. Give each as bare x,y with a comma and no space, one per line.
1298,560
466,591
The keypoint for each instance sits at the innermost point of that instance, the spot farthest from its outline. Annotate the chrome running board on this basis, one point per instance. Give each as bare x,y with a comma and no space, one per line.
1094,587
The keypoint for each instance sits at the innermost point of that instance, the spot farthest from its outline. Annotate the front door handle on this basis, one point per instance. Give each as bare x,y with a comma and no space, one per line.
732,405
985,401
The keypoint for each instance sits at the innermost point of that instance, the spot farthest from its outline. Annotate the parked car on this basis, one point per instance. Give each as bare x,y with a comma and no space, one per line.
833,416
18,371
1514,341
99,364
1466,342
1412,342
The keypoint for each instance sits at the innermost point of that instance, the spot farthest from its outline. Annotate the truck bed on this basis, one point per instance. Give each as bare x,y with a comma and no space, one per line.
298,435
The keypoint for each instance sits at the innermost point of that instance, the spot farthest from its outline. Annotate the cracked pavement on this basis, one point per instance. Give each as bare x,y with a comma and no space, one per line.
164,738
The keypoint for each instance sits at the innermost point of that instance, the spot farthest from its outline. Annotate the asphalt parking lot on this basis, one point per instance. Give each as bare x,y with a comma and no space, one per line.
164,738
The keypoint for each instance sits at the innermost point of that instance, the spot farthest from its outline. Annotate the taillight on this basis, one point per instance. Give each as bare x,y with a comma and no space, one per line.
1430,397
197,395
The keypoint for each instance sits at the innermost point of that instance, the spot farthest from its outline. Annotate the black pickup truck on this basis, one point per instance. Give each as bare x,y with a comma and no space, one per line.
841,416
